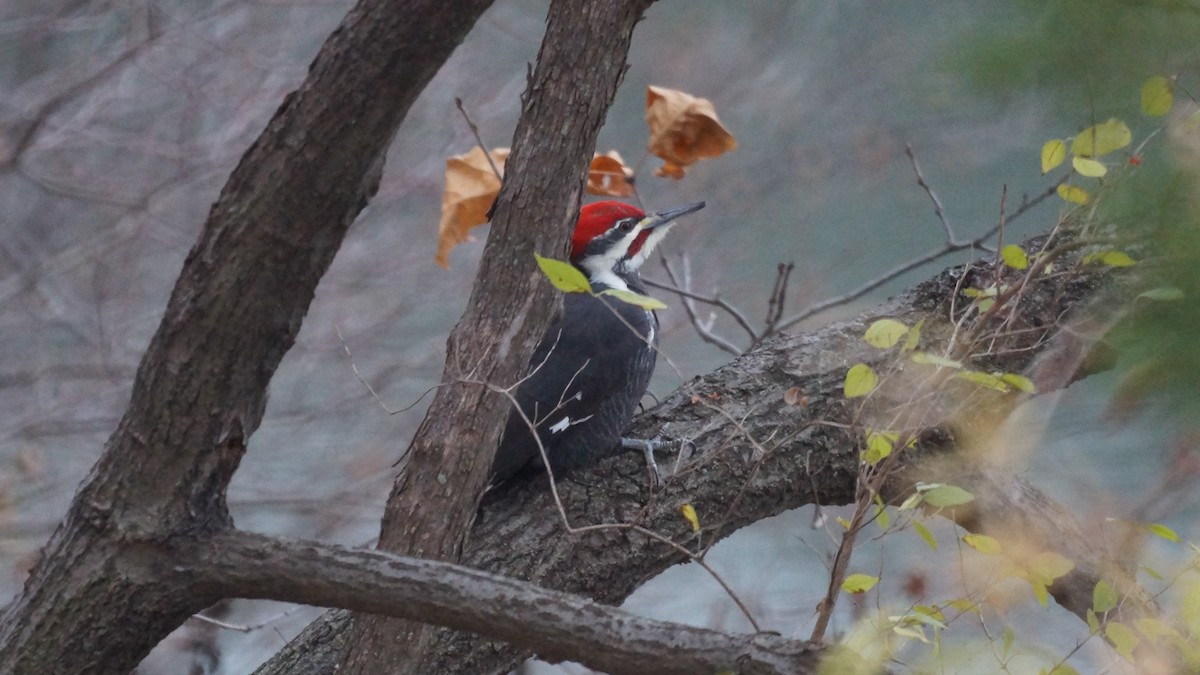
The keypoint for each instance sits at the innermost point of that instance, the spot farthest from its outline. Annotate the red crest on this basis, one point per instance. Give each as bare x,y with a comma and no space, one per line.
595,219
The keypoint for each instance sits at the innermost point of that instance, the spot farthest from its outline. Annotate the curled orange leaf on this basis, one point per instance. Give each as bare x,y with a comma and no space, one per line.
609,176
683,129
471,187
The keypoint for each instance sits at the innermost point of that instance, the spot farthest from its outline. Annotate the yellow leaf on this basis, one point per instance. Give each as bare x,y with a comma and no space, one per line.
1123,639
471,187
1154,628
925,535
1014,256
1089,168
689,514
1019,382
643,301
565,276
1104,597
860,381
914,336
879,446
1073,194
1110,258
1162,531
1053,154
609,176
859,583
935,360
884,333
683,129
1101,139
1049,566
985,380
982,543
1117,259
1157,96
1039,592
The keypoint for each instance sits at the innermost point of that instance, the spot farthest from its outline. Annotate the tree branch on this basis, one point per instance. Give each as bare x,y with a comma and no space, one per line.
235,311
555,625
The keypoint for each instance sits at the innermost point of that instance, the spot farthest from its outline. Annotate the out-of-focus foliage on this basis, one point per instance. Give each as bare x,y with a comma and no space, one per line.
1084,54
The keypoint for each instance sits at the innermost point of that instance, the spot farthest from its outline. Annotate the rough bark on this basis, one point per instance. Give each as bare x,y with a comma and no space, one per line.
101,597
579,67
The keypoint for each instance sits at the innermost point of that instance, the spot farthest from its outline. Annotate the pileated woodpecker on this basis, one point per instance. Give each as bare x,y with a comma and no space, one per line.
593,366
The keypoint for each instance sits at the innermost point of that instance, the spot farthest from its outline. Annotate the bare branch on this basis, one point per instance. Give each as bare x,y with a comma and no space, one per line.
556,625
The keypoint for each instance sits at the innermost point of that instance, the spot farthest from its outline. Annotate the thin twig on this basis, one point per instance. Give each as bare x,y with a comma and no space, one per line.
478,139
703,331
938,209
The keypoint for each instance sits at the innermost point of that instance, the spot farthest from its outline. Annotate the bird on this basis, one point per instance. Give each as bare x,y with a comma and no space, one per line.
593,365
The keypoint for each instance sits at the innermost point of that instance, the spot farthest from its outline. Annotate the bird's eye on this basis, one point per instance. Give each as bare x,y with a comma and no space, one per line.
626,225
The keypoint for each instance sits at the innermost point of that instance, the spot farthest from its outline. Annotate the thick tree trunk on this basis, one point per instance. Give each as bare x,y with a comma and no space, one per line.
579,67
105,590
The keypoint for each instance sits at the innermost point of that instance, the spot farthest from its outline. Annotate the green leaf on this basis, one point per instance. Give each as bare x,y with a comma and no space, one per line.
1104,597
565,276
637,299
1088,168
982,543
983,379
1123,639
914,336
1162,531
1019,382
1162,294
1073,194
1063,669
884,333
913,501
1093,622
859,583
879,446
1101,139
1152,572
1157,96
935,360
1008,638
926,535
881,515
1053,154
860,381
1014,256
944,496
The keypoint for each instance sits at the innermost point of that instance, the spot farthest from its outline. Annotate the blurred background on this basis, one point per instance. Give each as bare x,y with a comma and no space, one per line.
120,121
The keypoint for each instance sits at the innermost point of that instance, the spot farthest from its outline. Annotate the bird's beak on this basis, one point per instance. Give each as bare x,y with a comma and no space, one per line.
663,217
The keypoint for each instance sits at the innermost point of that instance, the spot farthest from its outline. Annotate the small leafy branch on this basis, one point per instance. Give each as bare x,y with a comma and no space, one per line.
910,392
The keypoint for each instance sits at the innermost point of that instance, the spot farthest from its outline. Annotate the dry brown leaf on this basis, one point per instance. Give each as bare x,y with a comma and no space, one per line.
471,187
609,176
683,129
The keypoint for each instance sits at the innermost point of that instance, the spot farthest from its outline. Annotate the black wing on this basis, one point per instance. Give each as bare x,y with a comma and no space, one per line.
587,376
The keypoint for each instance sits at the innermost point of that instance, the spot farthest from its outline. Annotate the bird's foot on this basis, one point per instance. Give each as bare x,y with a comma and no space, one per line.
658,443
